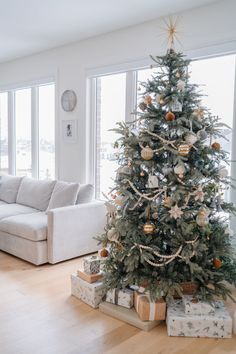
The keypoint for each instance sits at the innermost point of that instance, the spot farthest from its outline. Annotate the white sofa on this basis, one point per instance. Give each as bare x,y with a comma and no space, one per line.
48,221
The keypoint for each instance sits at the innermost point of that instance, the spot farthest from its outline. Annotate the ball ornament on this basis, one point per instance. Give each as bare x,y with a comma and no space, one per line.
148,228
147,153
216,146
217,263
147,100
170,116
184,149
104,253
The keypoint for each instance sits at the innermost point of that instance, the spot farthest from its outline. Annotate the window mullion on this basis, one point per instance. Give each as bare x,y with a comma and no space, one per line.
35,132
131,94
11,133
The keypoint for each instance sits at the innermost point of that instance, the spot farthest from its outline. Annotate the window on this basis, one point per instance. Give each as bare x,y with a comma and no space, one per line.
114,94
27,116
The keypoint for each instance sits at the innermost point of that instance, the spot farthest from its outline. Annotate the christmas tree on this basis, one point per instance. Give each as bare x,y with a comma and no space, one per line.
168,224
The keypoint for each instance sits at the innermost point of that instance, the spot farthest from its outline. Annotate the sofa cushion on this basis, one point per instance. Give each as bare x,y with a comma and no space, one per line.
9,186
64,194
85,194
7,210
30,226
2,202
35,193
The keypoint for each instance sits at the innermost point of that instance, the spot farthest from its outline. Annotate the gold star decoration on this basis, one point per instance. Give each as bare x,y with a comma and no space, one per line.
175,212
171,30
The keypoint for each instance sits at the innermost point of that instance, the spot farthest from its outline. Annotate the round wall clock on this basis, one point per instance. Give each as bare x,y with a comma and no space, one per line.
68,100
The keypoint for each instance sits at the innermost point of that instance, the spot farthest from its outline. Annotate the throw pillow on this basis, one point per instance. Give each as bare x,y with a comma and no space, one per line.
64,194
9,186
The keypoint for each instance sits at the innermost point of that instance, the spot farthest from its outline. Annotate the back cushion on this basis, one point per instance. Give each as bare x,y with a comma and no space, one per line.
63,194
35,193
85,193
9,186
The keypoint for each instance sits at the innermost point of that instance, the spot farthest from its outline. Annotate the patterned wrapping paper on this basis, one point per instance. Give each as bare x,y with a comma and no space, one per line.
181,324
91,264
149,310
90,293
197,308
121,297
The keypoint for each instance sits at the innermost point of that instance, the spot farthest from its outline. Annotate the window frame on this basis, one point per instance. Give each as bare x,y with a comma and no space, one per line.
34,87
131,69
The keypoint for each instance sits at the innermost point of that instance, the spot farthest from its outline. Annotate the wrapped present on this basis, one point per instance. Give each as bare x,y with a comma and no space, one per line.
91,264
122,297
91,294
149,310
89,278
179,323
193,306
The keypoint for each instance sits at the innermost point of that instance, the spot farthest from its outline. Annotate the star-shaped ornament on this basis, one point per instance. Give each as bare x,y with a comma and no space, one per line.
175,212
199,194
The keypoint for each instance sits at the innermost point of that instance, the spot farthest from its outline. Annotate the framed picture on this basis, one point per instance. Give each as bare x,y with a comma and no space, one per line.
69,131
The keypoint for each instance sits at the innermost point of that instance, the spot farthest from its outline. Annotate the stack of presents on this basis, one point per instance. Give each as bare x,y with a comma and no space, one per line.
187,317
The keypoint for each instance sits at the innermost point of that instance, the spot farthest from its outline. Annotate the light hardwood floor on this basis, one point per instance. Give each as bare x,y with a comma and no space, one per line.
39,316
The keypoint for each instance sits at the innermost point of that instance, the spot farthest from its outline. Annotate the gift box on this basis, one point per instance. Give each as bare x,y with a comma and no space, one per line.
149,310
179,323
193,306
122,297
89,278
91,264
91,294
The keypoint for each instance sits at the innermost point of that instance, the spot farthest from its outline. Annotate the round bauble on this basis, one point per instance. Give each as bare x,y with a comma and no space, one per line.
217,263
142,173
215,146
147,153
104,253
191,138
179,170
148,228
202,135
147,100
180,85
155,215
112,235
183,149
202,218
223,172
169,116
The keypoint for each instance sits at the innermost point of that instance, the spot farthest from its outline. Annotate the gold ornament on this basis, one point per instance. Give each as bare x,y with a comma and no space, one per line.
147,153
162,101
215,146
202,218
169,116
167,202
177,74
210,286
104,252
217,263
175,212
199,113
147,100
183,149
142,173
148,228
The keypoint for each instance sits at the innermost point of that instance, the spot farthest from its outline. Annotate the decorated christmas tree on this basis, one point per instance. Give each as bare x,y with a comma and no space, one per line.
168,223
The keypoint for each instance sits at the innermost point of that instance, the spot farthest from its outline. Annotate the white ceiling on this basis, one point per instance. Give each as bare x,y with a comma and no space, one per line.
31,26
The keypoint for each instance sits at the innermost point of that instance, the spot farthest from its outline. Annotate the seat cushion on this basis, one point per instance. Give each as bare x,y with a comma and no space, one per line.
2,202
85,194
64,194
35,193
9,186
30,226
7,210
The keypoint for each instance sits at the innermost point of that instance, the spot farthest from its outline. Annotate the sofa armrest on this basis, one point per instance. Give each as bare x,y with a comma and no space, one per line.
71,230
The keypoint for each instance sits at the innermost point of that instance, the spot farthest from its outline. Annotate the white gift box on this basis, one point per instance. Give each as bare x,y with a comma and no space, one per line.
122,297
195,307
91,264
90,293
179,323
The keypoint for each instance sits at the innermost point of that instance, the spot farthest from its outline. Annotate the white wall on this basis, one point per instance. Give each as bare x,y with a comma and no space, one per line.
202,27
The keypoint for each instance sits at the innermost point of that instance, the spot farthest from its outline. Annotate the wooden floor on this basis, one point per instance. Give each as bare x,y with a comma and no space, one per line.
38,316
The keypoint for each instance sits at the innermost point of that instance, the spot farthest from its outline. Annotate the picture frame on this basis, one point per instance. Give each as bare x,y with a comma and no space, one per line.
70,131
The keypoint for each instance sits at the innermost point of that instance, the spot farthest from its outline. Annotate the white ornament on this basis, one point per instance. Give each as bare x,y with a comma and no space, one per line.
175,212
112,235
180,170
199,113
191,138
176,106
152,182
223,172
147,153
180,85
158,98
111,209
166,170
